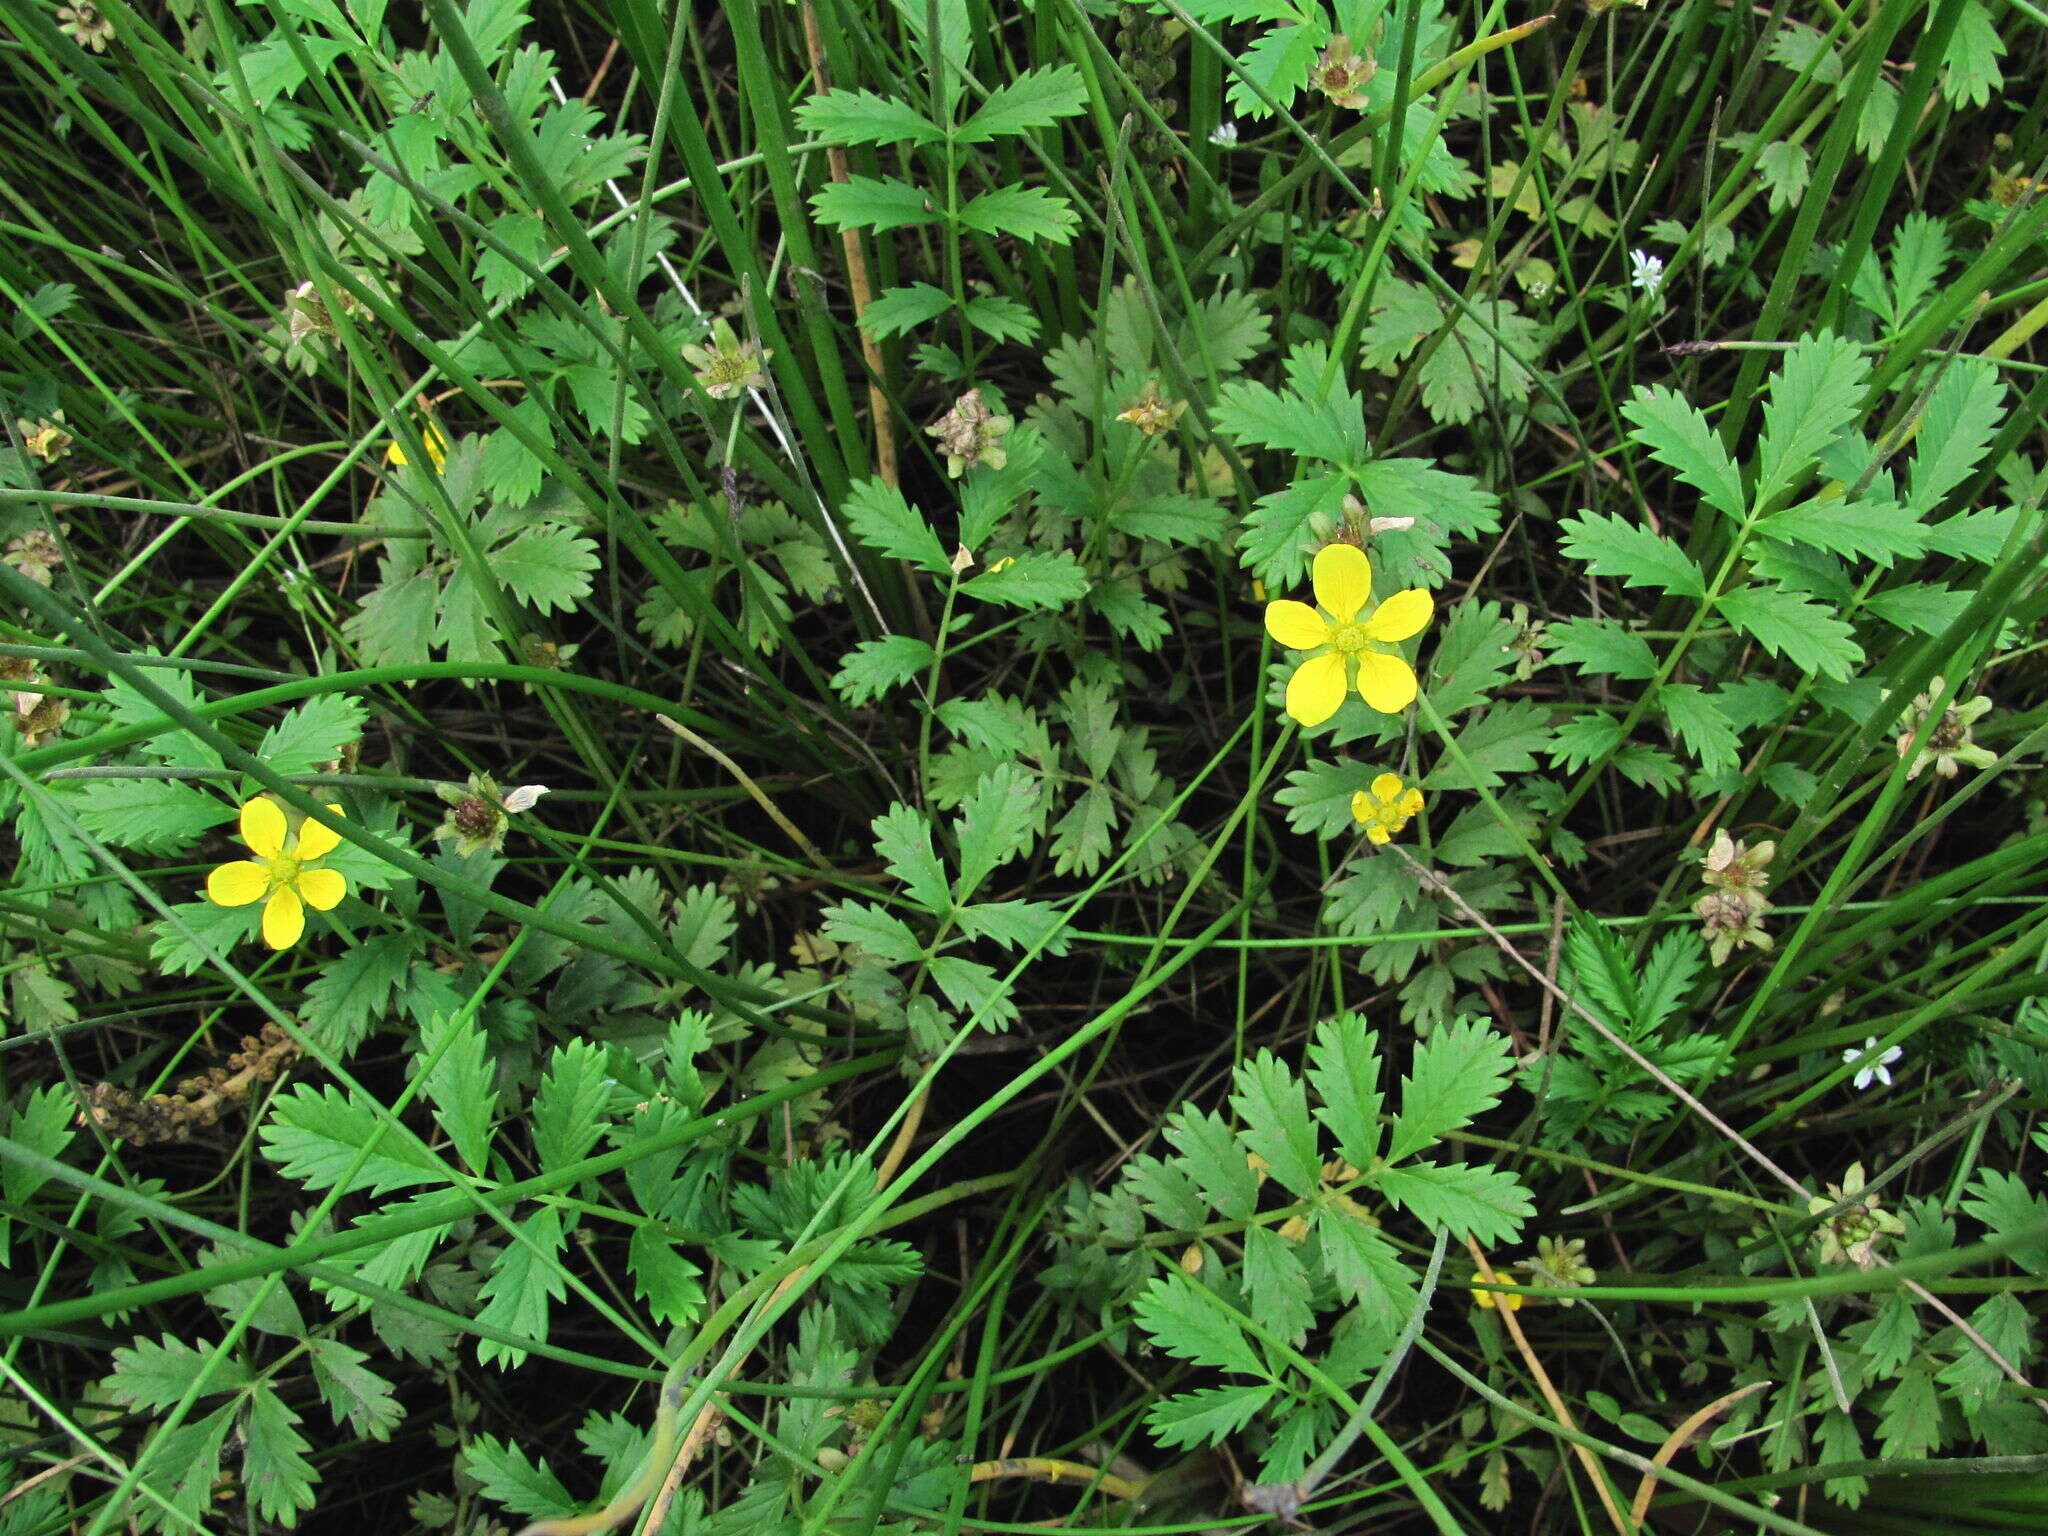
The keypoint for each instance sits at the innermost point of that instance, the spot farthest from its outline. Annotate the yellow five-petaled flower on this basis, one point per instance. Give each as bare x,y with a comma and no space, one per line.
1350,635
286,880
1387,807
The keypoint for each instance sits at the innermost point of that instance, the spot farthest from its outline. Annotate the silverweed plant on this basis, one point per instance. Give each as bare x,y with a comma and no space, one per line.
806,769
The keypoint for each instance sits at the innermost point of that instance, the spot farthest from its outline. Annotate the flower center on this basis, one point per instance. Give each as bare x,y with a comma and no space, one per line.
1349,639
283,870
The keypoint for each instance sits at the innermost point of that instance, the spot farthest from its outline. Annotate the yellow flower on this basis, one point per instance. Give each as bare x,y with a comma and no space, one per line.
1507,1302
1348,631
437,447
1387,807
290,879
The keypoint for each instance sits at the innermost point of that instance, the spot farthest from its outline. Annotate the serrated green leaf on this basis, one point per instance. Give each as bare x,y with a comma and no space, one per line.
356,1395
157,1374
1001,317
1272,1108
862,117
1016,925
314,734
1276,1284
1318,797
1080,838
870,202
1364,1264
148,815
275,1468
1486,1204
889,939
1458,1074
875,667
546,568
976,991
1612,546
1875,530
1035,99
1032,581
1704,730
1167,1192
1170,519
1208,1415
1804,632
1190,1325
567,1113
1344,1070
1502,741
507,1475
897,310
1025,213
903,838
666,1279
525,1279
1602,646
1678,435
2004,1203
1283,530
355,988
1001,725
1135,618
995,826
460,1085
1215,1160
315,1134
1814,397
1259,416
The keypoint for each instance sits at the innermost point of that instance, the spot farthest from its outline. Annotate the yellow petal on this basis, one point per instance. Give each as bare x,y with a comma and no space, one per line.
1411,804
1343,580
1378,835
1387,683
263,828
237,884
322,889
284,919
1386,787
1296,625
316,841
1316,689
1400,616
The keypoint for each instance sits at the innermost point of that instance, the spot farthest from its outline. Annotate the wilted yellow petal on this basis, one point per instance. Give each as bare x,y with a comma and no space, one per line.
263,828
1387,683
322,889
1296,625
1400,616
316,841
284,919
1316,689
1343,581
237,884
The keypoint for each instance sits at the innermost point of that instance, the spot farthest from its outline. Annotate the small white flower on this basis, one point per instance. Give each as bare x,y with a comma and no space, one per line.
1646,272
522,798
1875,1069
1224,134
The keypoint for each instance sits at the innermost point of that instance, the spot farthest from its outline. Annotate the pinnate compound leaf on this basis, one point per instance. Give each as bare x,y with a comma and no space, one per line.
313,734
1612,546
1881,531
1284,529
1458,1074
526,1278
148,815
